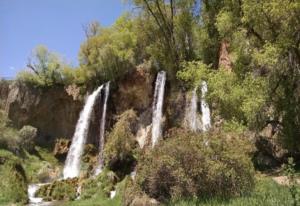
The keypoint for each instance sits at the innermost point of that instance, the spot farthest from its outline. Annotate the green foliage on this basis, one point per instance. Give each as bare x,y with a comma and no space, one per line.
119,149
235,99
109,54
13,181
188,165
99,186
27,136
267,193
8,134
93,191
59,190
291,174
46,69
173,24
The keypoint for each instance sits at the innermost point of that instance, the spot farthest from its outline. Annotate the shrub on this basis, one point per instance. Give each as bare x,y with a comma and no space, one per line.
27,135
188,165
8,135
119,149
13,181
99,186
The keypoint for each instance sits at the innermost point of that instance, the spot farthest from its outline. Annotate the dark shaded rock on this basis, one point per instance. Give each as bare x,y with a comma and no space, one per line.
270,152
135,91
61,148
175,105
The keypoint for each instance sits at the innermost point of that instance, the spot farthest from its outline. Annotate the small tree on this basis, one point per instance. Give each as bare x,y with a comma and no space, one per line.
27,136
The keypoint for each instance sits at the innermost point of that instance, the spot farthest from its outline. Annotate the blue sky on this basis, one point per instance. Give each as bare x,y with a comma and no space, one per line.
57,24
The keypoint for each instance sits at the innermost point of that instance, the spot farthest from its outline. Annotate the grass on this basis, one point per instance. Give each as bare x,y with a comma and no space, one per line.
33,164
267,193
101,200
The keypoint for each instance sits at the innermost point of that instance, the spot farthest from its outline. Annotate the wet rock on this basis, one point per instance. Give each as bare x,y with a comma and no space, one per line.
61,148
135,90
59,190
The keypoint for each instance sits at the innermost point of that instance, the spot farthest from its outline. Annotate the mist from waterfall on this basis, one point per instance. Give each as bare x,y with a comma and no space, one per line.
72,164
102,130
157,106
206,120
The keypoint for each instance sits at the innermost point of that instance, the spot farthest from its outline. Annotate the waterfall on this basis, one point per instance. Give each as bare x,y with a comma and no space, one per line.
158,106
102,130
32,189
191,116
72,164
206,121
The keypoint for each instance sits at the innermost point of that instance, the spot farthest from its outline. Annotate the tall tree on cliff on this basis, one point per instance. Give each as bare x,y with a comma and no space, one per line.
169,25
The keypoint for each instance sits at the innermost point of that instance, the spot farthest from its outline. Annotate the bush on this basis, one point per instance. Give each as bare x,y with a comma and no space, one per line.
27,135
99,186
8,135
188,165
13,181
119,149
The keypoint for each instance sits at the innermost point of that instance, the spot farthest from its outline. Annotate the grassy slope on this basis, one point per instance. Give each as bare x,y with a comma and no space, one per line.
267,193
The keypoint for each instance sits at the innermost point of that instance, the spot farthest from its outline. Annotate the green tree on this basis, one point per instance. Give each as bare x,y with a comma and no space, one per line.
109,53
46,68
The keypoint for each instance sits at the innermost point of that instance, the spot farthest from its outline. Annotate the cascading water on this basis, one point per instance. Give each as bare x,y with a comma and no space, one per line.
192,120
206,121
158,106
32,189
102,130
72,164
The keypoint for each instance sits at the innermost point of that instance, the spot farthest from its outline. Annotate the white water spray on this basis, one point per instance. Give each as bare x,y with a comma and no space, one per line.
158,106
206,120
102,130
32,189
72,164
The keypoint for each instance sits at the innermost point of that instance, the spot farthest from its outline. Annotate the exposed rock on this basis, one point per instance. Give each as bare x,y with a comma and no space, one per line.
284,180
144,201
61,148
73,91
224,58
52,111
270,152
4,90
134,91
48,173
175,102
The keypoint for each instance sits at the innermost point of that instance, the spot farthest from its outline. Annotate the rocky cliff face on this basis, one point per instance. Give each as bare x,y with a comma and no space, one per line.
52,111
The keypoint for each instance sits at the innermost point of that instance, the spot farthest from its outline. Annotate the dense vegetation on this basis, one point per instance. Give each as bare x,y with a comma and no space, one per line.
249,54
